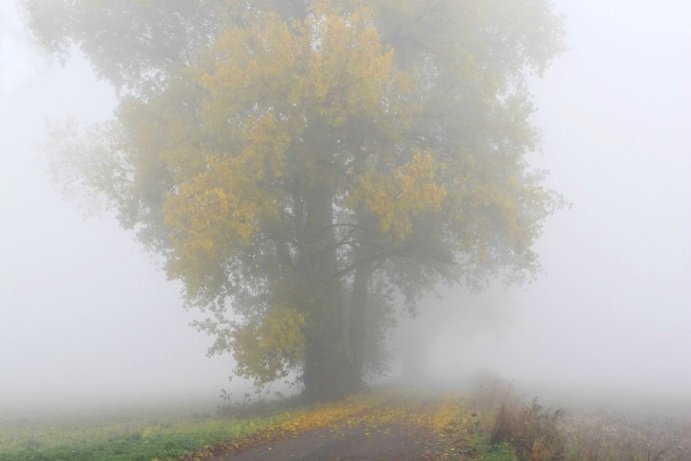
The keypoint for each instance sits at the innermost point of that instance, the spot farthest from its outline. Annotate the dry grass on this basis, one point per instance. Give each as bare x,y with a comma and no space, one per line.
542,434
532,430
627,436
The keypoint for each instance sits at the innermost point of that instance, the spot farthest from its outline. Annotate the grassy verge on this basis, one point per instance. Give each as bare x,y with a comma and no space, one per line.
479,448
465,434
107,437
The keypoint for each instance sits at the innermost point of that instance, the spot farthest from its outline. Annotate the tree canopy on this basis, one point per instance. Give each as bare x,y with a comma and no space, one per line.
301,165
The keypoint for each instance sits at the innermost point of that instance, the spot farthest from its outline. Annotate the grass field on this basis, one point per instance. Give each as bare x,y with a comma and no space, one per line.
124,434
493,425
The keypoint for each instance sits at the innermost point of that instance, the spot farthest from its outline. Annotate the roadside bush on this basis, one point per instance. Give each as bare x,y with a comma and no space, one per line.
532,430
601,433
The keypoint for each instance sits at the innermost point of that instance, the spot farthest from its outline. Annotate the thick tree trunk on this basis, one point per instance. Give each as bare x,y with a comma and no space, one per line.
328,373
328,367
335,359
358,339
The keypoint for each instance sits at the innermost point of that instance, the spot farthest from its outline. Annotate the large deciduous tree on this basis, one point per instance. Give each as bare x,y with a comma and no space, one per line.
300,164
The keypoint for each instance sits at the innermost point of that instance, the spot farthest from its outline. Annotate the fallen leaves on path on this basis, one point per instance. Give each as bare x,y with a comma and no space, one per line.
370,411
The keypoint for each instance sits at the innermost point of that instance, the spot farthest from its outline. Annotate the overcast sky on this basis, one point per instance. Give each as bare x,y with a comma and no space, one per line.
84,311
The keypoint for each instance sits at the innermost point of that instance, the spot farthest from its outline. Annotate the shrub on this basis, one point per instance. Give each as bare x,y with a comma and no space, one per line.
531,429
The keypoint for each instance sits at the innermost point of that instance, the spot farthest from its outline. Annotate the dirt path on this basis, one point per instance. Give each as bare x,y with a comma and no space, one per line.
400,442
394,430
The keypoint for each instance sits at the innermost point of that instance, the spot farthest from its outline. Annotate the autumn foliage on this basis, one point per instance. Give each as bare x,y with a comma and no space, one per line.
302,166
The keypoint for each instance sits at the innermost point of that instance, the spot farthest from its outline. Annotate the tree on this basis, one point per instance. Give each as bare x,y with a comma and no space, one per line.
300,165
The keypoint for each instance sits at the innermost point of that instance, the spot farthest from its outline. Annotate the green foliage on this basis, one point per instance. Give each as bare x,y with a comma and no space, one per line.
109,32
317,155
479,448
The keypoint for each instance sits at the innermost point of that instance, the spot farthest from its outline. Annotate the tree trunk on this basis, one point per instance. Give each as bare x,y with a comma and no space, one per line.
358,339
328,367
328,373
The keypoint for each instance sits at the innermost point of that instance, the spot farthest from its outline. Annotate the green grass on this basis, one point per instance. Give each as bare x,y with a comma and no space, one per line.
481,450
108,438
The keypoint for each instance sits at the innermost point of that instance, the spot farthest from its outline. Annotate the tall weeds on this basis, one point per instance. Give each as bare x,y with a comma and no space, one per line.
537,433
532,430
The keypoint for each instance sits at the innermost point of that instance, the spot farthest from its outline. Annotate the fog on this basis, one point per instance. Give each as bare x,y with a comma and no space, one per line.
85,313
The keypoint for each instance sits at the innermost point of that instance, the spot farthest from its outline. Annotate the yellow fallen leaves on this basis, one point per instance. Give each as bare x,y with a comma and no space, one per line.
378,410
372,414
449,412
348,412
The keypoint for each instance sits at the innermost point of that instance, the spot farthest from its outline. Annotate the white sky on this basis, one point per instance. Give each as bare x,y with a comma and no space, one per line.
83,311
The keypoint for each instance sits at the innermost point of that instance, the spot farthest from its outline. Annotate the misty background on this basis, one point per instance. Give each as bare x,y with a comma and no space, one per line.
85,313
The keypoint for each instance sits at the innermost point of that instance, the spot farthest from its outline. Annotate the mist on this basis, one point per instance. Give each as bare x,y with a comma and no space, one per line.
86,314
610,313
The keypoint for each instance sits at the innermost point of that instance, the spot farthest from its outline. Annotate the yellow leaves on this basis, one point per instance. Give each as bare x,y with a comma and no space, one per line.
370,411
407,192
376,413
332,415
446,414
267,348
212,214
255,95
252,64
266,141
349,69
331,65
